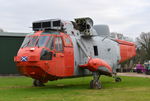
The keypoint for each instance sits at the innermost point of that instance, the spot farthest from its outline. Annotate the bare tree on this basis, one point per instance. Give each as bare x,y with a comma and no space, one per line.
143,47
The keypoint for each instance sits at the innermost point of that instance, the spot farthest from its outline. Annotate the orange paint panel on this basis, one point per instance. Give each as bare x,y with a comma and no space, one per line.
94,63
127,51
69,61
61,64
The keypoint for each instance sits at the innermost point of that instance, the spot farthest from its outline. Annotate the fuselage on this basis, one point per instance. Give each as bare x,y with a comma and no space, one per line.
53,54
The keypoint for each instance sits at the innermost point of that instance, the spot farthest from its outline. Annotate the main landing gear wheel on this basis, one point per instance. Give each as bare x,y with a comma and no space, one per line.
95,83
38,83
118,79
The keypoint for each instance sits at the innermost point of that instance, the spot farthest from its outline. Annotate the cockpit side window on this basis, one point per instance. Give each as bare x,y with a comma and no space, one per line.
58,44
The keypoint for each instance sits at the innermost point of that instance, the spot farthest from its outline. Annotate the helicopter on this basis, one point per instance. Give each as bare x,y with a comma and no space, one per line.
60,49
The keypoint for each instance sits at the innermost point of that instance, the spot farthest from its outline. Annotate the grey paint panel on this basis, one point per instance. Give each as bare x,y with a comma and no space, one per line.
102,30
108,50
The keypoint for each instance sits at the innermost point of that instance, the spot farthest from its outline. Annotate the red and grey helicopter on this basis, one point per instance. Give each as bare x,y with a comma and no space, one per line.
59,49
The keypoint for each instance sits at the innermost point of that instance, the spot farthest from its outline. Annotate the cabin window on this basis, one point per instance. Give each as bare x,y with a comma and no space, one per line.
95,50
58,44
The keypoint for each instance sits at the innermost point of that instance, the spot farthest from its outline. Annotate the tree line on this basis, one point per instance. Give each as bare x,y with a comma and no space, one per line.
142,51
143,47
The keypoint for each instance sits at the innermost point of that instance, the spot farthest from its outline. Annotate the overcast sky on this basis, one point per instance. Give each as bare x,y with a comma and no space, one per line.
130,17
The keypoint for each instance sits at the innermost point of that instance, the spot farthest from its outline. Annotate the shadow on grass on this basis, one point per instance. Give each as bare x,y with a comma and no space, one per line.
60,87
76,84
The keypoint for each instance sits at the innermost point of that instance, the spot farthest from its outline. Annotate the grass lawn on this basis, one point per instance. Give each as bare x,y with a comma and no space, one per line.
75,89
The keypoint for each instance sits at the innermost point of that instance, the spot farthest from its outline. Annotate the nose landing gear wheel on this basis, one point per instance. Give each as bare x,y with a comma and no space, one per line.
38,83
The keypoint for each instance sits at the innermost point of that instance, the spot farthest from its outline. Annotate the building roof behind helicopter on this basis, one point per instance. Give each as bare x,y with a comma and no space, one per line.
12,34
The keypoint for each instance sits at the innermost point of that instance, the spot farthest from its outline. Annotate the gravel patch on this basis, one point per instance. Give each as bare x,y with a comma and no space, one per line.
133,74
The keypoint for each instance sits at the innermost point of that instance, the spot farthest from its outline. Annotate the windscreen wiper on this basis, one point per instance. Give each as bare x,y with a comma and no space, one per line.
37,43
25,44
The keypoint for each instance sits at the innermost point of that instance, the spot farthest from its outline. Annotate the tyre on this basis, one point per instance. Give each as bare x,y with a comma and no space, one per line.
118,79
38,83
95,85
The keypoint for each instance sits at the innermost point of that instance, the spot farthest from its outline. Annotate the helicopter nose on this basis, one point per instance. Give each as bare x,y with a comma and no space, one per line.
26,58
34,62
28,55
30,66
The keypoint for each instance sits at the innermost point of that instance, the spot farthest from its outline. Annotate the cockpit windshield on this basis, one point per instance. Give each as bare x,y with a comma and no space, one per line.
33,41
41,41
38,41
26,41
